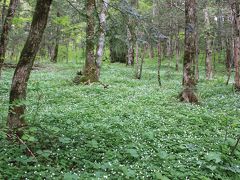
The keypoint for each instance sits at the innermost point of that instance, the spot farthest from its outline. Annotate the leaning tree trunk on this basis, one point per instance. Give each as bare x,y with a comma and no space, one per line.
188,95
5,30
209,68
102,32
90,71
22,72
236,24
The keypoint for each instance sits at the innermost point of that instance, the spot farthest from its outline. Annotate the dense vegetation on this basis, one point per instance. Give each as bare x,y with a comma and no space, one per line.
131,130
120,89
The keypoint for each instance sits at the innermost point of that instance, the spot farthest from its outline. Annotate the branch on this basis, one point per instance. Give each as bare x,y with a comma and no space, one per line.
178,7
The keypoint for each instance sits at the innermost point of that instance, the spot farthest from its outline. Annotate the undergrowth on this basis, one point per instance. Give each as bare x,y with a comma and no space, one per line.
134,129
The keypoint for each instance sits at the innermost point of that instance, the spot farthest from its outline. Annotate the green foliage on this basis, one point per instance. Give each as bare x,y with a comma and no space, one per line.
132,130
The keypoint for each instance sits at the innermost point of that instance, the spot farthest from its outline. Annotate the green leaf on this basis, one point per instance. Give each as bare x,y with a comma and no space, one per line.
162,154
70,176
159,176
133,153
213,156
64,140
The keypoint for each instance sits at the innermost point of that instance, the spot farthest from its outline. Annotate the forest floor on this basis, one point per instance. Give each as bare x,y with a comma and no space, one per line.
133,129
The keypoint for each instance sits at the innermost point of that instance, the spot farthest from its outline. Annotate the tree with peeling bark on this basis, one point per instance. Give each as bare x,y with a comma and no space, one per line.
189,83
5,30
22,72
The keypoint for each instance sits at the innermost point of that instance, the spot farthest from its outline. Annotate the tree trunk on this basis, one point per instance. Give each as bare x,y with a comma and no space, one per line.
54,53
3,12
209,68
90,71
159,63
22,72
177,50
130,34
5,30
236,24
102,32
188,95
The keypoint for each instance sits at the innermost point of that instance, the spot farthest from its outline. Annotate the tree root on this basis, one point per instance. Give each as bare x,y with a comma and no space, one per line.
188,95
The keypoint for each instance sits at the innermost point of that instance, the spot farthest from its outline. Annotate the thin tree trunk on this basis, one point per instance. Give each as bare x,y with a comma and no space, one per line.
54,53
3,12
177,50
130,44
209,69
159,63
22,72
137,60
188,95
102,32
5,31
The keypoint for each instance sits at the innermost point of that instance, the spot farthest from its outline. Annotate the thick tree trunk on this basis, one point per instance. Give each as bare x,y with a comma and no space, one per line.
90,71
236,24
5,30
188,95
102,32
209,68
22,72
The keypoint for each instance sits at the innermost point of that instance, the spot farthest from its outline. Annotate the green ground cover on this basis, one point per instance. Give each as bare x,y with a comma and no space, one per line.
132,130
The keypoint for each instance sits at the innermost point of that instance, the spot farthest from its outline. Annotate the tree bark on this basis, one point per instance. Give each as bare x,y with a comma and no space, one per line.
3,12
102,32
5,31
236,24
209,68
54,51
90,71
188,95
22,72
159,63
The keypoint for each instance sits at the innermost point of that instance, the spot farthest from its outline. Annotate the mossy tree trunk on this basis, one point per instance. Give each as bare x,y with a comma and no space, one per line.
90,71
22,72
188,94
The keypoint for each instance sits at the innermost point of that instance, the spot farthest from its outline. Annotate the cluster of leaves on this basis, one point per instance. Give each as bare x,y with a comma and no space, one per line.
132,130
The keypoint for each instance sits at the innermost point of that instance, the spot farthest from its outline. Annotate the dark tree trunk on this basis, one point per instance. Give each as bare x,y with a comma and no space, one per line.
188,95
5,30
22,72
177,50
